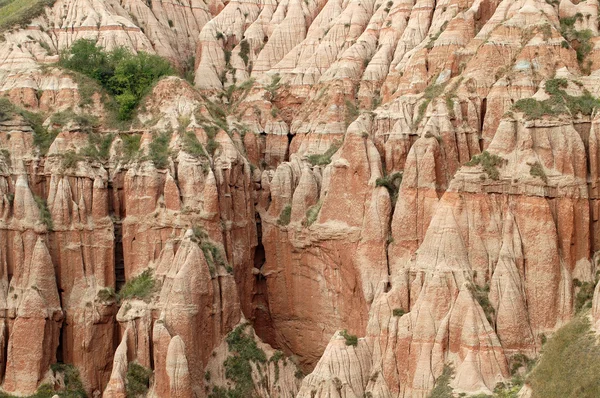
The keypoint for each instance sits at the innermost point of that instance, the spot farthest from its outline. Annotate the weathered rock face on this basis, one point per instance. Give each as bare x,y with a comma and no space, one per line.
358,166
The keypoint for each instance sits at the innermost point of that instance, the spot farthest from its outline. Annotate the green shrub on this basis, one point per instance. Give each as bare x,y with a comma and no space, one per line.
192,146
244,51
313,212
98,147
398,312
582,38
159,150
126,76
243,351
42,138
392,183
570,363
131,146
325,158
73,385
107,294
69,159
285,215
481,294
86,122
489,162
45,216
585,294
141,286
138,380
559,102
442,387
537,170
350,338
352,112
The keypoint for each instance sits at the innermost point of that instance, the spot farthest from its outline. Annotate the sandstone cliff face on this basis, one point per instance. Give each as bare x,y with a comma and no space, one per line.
359,166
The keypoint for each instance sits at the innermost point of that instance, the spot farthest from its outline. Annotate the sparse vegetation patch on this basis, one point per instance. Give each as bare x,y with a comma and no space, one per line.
489,162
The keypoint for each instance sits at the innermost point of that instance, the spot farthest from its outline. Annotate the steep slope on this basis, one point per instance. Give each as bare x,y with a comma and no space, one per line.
422,175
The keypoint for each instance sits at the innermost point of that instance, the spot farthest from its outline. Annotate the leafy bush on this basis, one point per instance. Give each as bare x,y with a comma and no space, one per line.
138,380
489,162
570,363
159,150
313,212
350,338
73,385
45,216
191,145
442,387
398,312
325,158
581,38
131,146
537,170
238,367
42,138
141,286
244,51
107,294
69,159
126,76
285,215
481,294
584,296
559,102
391,183
85,122
431,92
98,147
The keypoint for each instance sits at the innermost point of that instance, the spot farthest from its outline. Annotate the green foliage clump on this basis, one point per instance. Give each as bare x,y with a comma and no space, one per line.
42,138
537,170
584,296
313,212
238,368
138,380
570,363
285,215
20,13
580,39
98,146
351,339
141,286
85,122
107,295
398,312
481,294
442,387
158,150
244,51
431,92
73,387
325,158
45,215
131,146
489,162
69,159
392,183
191,145
126,76
559,102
